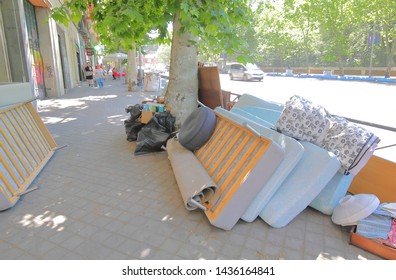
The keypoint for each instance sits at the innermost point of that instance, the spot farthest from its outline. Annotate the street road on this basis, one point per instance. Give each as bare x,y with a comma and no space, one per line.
369,102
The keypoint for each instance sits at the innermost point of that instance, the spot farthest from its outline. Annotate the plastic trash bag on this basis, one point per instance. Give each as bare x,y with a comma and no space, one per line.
135,112
132,130
153,136
167,120
132,124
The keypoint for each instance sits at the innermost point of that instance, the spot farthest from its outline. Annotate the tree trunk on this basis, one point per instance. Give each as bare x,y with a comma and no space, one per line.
389,58
341,67
131,73
182,91
390,49
307,61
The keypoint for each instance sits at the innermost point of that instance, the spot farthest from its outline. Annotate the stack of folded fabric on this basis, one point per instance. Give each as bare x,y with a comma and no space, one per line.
380,224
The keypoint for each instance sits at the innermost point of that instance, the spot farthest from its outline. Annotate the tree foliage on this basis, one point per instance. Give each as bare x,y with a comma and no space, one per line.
381,14
324,32
128,23
120,23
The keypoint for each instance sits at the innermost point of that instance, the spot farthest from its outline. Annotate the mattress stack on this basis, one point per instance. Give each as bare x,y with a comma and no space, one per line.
257,164
238,160
320,179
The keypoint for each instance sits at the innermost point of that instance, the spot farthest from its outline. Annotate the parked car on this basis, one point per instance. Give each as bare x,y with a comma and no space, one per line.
248,72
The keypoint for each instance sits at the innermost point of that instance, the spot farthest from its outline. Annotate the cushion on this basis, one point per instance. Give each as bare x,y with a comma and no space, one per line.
197,128
303,120
353,145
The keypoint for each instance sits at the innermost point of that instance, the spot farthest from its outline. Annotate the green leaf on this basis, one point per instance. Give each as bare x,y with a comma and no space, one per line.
211,29
184,6
134,15
59,15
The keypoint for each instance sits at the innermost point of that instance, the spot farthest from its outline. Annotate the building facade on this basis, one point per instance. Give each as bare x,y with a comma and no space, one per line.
35,49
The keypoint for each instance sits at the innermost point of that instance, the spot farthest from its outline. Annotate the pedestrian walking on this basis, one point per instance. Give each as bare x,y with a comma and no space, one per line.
89,74
100,76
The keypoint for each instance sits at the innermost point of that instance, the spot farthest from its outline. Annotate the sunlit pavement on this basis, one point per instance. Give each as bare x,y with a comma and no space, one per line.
96,200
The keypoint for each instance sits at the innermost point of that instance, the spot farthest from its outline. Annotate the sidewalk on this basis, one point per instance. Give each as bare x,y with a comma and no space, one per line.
96,200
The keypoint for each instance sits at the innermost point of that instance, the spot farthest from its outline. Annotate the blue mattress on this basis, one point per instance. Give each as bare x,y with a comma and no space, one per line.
247,100
266,114
293,153
329,197
252,108
249,116
304,183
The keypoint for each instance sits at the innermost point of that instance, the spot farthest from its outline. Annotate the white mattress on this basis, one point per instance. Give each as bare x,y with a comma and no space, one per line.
310,176
334,191
293,153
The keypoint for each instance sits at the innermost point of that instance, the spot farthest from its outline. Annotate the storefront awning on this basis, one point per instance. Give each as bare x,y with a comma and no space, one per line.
41,3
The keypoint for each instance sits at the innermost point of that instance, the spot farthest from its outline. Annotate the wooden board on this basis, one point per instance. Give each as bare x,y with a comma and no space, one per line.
377,177
209,88
372,245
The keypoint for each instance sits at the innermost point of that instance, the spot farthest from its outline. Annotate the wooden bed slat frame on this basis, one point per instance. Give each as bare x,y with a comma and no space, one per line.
26,146
223,155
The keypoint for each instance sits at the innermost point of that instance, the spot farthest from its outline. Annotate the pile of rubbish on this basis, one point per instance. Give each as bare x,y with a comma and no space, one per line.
151,136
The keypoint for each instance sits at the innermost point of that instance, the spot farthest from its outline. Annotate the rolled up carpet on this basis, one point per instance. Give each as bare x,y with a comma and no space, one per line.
195,185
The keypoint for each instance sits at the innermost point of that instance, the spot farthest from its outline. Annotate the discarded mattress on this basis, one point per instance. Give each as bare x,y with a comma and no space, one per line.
334,191
293,153
338,186
252,117
195,185
310,176
239,161
248,100
269,115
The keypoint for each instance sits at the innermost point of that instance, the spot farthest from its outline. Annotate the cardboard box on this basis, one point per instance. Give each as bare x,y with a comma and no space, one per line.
146,116
374,246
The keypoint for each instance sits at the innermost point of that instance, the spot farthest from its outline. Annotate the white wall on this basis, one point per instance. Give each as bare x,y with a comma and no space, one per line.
49,47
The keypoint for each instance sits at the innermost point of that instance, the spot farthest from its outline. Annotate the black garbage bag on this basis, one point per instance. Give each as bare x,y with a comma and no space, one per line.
167,120
154,135
135,111
132,130
132,124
